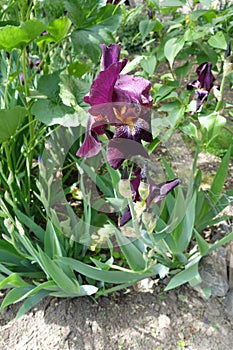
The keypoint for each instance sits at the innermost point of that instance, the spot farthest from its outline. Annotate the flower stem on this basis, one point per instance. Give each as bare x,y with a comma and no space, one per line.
219,103
134,217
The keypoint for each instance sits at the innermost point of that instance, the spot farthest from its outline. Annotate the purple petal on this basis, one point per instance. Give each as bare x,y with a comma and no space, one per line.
110,55
126,216
201,97
129,88
195,84
135,182
228,50
120,149
103,85
205,76
158,192
90,147
21,76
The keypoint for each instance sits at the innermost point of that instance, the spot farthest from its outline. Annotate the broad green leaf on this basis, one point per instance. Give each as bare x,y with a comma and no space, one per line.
31,302
72,91
10,120
78,69
20,36
59,28
149,64
211,125
184,70
51,113
88,40
145,27
172,48
184,276
173,3
189,129
132,254
48,85
218,41
85,13
94,29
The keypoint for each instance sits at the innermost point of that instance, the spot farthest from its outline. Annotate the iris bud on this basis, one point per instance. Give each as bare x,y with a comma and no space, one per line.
124,186
144,190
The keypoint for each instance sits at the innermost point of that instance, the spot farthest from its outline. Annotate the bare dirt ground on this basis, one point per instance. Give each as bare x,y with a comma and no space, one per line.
174,320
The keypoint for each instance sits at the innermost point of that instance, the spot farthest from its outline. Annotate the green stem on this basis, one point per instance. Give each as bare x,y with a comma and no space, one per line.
11,170
218,105
228,129
134,217
7,83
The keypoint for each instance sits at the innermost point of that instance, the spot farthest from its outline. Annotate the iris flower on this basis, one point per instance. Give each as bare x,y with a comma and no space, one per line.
156,193
203,84
121,101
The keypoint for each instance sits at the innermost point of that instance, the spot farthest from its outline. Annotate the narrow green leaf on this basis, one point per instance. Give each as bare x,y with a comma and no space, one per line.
183,277
31,302
30,223
58,275
221,242
14,280
52,245
202,244
220,177
183,234
104,276
132,254
15,295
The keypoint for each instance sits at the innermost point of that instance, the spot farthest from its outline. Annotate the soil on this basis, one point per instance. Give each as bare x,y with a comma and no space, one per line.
144,319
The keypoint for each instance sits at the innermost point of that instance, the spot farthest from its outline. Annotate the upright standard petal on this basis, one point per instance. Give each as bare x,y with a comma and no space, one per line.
131,89
205,76
102,87
110,55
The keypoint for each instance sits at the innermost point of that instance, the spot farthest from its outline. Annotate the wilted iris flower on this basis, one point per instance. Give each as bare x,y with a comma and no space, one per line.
155,192
122,101
203,84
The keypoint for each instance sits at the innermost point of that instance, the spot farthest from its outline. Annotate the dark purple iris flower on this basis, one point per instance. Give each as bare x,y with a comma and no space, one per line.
122,101
203,84
156,193
116,2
